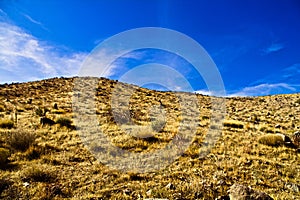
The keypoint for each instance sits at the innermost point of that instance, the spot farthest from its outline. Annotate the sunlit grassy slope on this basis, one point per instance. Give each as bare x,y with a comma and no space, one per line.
51,162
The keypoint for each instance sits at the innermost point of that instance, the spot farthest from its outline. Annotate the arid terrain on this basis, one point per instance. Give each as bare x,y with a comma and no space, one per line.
42,155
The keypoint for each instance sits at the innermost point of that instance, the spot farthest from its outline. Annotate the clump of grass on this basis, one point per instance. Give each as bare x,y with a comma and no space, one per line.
38,174
58,111
41,111
6,123
5,183
272,139
66,122
267,129
21,140
233,124
4,155
33,152
297,101
2,109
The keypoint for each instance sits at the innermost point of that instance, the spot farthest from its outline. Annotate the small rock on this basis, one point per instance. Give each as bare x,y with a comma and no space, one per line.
127,191
277,126
170,186
242,192
149,192
26,184
293,187
223,198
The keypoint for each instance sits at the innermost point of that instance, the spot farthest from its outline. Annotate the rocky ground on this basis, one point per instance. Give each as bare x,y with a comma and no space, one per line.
52,161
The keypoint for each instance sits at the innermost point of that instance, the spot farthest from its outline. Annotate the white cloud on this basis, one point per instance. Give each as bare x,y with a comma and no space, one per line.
34,21
264,89
204,92
24,57
274,47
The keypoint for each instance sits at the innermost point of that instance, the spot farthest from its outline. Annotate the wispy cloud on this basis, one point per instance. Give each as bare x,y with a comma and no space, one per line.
274,47
24,57
34,21
265,89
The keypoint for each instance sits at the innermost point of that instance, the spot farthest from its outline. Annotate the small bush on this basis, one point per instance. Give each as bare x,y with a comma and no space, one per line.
38,174
64,122
5,183
233,124
21,140
6,123
2,109
58,111
272,139
34,152
41,111
4,154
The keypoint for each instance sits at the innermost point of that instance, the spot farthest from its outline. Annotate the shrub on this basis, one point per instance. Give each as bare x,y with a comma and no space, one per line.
38,174
4,154
5,183
2,109
233,124
58,111
41,111
34,152
272,139
64,122
6,123
21,140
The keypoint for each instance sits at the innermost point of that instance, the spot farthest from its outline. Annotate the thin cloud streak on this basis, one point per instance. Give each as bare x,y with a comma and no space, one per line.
264,89
32,20
274,47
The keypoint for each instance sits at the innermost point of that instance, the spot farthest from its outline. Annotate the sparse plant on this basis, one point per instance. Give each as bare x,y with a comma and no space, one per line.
5,183
6,123
58,111
33,152
66,122
2,109
297,101
55,106
21,140
272,139
4,155
38,173
41,111
233,124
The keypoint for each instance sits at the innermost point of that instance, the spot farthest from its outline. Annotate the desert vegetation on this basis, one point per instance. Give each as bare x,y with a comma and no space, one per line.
49,161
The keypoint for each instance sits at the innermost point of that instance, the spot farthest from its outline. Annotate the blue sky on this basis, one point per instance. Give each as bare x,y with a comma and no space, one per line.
255,44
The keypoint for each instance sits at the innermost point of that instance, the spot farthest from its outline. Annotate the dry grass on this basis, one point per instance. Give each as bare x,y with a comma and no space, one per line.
58,166
4,154
20,140
6,123
271,140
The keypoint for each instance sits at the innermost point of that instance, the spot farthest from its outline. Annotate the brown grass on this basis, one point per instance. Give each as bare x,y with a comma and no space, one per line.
57,165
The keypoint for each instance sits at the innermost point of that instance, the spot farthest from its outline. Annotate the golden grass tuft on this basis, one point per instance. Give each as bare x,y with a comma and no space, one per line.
233,124
4,155
271,140
20,140
6,123
38,173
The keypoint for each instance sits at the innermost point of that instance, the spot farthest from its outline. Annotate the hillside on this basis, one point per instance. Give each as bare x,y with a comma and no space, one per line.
49,161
